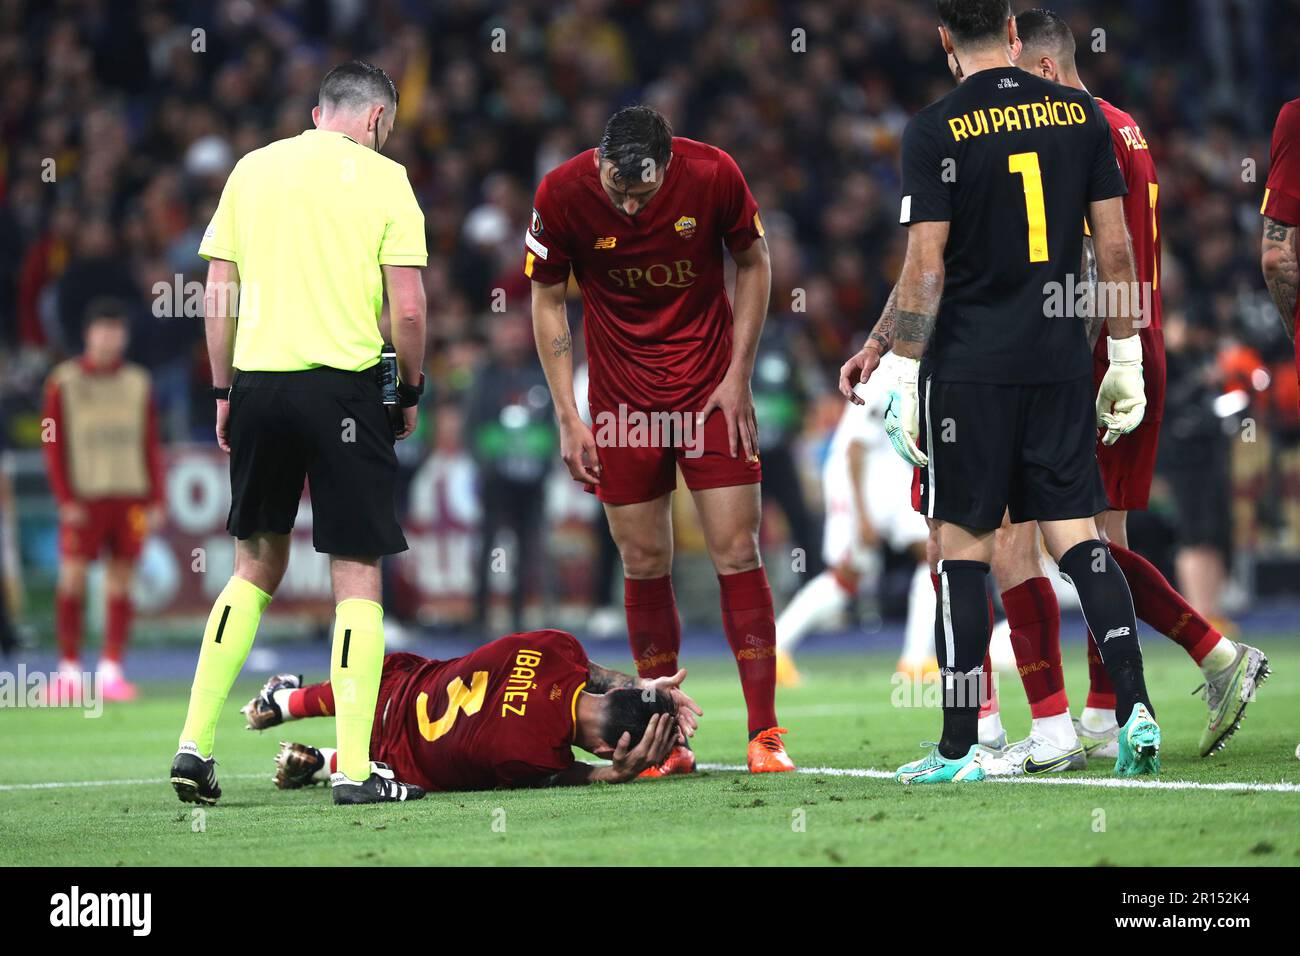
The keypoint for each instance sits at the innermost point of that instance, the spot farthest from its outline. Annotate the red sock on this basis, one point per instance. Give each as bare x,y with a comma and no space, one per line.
1101,693
67,626
653,628
334,762
989,692
117,626
316,700
1158,604
750,624
1035,619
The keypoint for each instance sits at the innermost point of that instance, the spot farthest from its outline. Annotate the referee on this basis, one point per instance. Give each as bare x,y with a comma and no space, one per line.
309,233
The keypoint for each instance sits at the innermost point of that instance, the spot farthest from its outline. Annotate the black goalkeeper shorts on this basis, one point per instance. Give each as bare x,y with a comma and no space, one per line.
326,426
1027,448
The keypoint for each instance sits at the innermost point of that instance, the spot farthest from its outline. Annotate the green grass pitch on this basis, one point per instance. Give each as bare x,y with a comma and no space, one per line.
841,718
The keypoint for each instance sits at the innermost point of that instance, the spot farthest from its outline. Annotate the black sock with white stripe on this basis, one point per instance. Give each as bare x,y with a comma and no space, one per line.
1108,609
961,641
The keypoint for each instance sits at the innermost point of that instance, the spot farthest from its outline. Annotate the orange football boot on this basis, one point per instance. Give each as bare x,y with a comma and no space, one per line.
767,753
681,759
926,670
787,675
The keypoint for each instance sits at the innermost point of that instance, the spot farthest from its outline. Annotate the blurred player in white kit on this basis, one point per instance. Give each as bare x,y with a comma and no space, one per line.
866,489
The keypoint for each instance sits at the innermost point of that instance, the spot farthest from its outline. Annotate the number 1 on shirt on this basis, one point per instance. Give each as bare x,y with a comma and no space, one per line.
1026,165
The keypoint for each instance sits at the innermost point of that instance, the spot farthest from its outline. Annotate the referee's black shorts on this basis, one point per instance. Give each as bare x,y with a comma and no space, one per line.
1027,448
329,427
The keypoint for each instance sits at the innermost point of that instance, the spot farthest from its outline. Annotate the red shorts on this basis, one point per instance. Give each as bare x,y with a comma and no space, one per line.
1128,466
120,525
635,470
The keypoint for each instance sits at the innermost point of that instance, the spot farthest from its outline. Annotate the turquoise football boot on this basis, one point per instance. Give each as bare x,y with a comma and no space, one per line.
936,768
1139,744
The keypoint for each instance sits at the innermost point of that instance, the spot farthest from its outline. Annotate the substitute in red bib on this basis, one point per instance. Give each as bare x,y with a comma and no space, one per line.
641,222
104,460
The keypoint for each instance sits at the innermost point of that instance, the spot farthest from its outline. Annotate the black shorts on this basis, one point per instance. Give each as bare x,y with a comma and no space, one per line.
1029,448
329,427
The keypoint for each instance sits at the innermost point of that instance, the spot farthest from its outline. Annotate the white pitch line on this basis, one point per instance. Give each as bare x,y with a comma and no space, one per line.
1122,783
866,772
807,710
74,784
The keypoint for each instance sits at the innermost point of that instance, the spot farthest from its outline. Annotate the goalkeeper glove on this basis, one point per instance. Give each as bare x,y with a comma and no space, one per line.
1121,399
901,426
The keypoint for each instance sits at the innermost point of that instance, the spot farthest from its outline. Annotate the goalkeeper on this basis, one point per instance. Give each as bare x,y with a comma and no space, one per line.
997,176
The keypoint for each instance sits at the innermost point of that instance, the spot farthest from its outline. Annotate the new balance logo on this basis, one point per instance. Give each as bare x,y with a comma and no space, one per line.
606,242
1116,632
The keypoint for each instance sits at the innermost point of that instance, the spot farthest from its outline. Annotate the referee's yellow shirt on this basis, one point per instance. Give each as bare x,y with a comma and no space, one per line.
309,220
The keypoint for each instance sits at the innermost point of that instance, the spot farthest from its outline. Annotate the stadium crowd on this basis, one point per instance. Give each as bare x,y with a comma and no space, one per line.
121,121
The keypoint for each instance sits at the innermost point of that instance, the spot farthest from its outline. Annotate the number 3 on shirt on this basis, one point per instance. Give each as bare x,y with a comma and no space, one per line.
1026,165
460,699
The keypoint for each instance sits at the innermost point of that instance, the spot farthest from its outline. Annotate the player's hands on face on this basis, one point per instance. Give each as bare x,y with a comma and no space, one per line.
410,416
858,370
687,709
578,449
658,739
223,426
735,400
901,416
1121,397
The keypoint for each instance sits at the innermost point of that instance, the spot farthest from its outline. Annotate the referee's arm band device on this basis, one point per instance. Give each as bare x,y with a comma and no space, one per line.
409,395
221,394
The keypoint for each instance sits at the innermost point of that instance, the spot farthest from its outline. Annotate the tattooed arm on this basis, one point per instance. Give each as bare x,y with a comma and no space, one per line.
920,288
1278,259
555,349
859,368
601,680
1093,320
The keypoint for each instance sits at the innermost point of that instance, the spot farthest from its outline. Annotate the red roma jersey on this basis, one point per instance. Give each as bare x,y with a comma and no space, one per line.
501,716
657,319
1142,214
1282,192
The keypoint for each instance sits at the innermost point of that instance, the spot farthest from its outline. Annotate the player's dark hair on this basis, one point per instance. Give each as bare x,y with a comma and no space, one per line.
633,135
628,710
355,85
974,21
105,308
1046,30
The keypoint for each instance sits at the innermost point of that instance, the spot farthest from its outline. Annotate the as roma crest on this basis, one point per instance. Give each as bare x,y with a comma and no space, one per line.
685,226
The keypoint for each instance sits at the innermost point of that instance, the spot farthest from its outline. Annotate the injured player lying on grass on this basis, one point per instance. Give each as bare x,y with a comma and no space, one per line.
505,715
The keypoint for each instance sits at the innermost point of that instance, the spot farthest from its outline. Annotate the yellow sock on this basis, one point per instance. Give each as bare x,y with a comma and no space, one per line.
356,662
229,634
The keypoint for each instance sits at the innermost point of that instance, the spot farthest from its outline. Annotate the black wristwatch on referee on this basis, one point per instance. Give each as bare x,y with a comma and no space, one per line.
409,395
